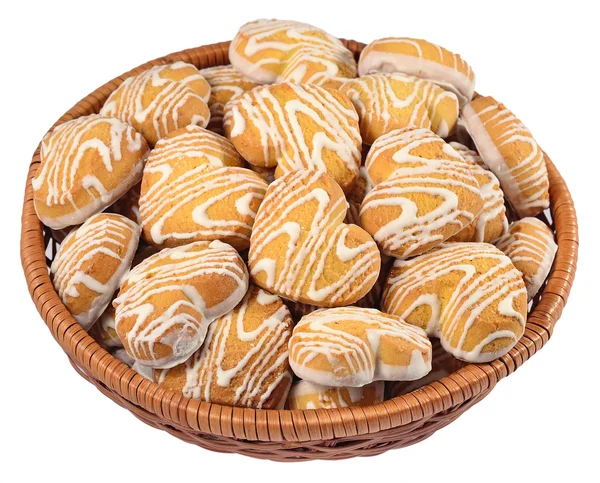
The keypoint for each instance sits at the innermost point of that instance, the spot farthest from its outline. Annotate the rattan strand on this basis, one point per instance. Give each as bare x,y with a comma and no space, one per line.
289,435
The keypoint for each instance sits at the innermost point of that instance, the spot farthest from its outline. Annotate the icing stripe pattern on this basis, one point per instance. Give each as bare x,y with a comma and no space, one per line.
422,59
351,346
166,302
244,359
86,164
431,193
509,150
301,249
530,245
272,51
156,105
385,102
306,395
186,74
296,127
227,83
91,262
470,295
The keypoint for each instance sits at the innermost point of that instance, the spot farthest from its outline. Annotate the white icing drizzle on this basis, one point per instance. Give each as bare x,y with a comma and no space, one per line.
78,263
422,59
418,226
349,340
390,101
531,247
279,114
298,208
487,281
184,73
156,105
180,274
64,177
270,51
244,357
509,150
307,395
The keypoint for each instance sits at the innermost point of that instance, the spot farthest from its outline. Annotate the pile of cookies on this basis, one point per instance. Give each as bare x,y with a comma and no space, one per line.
291,229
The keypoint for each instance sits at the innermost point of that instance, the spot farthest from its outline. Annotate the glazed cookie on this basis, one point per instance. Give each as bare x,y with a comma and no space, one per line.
296,127
244,359
385,102
104,332
301,249
530,245
429,196
468,154
351,346
90,263
274,51
306,395
227,83
166,303
509,150
86,165
470,295
186,74
185,198
155,105
422,59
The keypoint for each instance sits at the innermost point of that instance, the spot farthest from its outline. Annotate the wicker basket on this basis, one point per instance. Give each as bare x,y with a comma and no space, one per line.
288,435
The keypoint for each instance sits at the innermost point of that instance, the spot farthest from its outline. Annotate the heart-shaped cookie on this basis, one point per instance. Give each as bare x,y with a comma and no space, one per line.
293,127
301,249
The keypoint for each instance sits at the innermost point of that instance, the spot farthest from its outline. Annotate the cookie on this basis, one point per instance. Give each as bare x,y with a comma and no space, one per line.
422,59
530,245
166,303
430,193
155,105
385,102
509,150
86,165
294,127
351,346
470,295
301,249
104,332
129,204
468,154
184,73
226,83
307,395
244,359
274,51
185,198
90,263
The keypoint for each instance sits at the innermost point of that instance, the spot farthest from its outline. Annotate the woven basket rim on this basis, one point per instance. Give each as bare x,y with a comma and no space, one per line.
466,383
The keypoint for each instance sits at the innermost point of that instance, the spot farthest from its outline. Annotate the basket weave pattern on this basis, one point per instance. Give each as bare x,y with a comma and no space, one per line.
288,435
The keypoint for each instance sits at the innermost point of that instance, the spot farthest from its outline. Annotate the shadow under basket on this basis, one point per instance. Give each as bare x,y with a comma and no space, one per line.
287,435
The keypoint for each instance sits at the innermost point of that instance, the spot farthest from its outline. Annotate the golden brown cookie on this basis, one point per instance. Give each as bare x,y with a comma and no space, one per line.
307,395
430,193
166,303
422,59
509,150
470,295
352,346
294,127
186,196
104,332
530,245
226,83
244,359
86,165
385,102
90,263
274,51
301,249
155,105
186,74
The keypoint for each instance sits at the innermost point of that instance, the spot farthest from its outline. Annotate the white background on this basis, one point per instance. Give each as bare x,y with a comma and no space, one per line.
539,424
